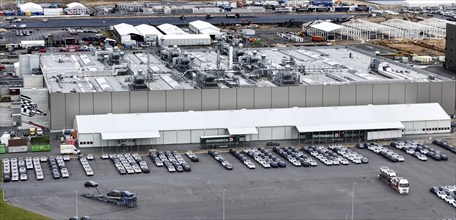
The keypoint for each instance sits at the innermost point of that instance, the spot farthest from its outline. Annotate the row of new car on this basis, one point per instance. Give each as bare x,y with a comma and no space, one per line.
85,165
325,155
15,169
172,160
129,163
243,158
382,151
11,170
58,167
446,193
419,151
349,154
445,145
264,158
227,165
294,156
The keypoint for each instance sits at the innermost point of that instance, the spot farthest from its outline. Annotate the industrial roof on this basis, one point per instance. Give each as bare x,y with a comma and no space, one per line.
186,37
200,25
31,7
125,29
170,29
75,5
145,29
246,121
326,26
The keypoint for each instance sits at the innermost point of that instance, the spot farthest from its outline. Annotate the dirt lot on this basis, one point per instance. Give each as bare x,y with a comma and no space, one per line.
426,47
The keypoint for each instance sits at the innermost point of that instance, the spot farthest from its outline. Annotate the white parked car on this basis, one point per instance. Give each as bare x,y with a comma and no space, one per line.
400,158
441,194
39,175
66,157
449,199
43,158
24,177
89,172
65,173
421,157
89,157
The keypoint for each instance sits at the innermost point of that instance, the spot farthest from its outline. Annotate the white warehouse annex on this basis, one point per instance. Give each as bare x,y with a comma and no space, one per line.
367,122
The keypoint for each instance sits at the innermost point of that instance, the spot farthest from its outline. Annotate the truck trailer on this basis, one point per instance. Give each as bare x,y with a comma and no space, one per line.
116,197
399,184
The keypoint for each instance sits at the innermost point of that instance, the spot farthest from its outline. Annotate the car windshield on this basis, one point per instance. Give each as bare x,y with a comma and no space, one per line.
404,185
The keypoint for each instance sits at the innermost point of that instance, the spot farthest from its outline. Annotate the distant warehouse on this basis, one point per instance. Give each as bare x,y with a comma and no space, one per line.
231,127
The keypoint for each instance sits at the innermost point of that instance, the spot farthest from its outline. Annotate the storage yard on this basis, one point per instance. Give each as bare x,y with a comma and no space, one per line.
292,190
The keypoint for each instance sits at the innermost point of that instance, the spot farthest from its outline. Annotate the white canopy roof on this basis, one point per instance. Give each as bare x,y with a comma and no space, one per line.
326,26
170,29
129,135
238,131
31,7
125,29
365,117
75,5
145,29
200,25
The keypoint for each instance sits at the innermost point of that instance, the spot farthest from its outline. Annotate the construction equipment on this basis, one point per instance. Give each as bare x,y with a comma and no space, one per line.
303,31
120,198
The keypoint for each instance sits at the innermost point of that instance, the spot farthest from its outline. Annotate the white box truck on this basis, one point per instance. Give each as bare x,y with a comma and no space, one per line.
68,149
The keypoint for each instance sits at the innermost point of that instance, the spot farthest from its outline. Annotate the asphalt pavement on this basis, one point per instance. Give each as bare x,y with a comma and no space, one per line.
217,20
320,192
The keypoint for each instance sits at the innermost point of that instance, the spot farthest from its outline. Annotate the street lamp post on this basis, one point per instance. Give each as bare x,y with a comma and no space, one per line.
223,214
76,195
353,201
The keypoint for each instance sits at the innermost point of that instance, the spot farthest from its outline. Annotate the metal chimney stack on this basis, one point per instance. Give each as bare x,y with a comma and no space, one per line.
230,54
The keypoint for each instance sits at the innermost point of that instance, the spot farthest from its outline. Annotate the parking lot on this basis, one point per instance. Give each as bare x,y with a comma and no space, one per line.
321,192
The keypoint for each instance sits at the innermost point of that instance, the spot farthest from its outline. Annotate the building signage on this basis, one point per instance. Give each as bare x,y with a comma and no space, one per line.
218,140
325,136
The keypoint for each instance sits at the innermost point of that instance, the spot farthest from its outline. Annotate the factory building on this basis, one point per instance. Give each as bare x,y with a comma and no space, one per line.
180,80
450,47
367,122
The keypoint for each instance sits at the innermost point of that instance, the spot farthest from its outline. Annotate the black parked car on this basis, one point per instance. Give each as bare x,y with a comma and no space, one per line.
434,189
6,178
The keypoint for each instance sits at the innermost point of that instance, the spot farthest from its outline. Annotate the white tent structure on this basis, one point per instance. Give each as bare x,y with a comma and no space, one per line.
326,30
126,32
76,8
203,27
371,122
31,7
149,33
170,29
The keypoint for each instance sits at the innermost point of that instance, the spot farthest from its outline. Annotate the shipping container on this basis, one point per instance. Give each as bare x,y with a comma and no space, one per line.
17,142
18,149
14,91
2,149
39,148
